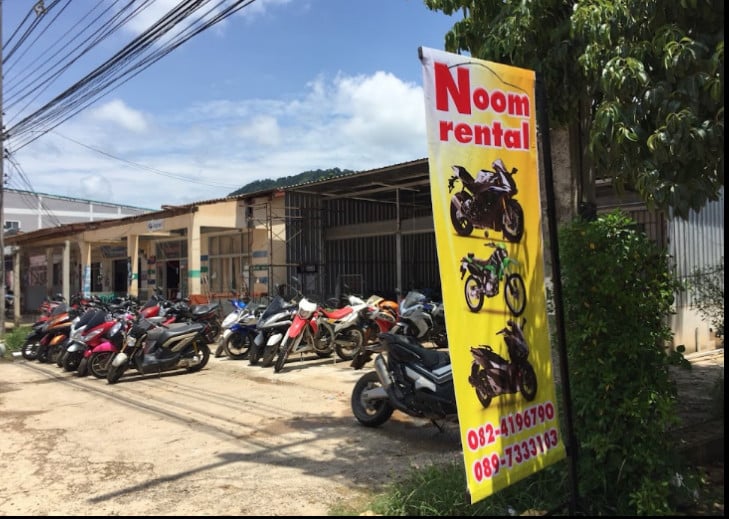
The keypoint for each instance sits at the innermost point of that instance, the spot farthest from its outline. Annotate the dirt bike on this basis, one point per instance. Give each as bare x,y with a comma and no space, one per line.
309,332
485,275
492,375
415,380
486,202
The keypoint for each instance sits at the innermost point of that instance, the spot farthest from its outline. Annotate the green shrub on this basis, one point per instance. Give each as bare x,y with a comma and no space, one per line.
617,294
707,288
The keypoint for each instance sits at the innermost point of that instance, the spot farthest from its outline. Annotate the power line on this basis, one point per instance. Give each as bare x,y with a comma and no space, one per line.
125,64
148,168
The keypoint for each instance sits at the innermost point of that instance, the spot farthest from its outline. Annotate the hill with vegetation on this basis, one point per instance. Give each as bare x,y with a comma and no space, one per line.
292,180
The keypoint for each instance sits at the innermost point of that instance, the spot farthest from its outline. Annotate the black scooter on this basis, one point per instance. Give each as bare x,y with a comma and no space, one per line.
492,375
154,348
415,380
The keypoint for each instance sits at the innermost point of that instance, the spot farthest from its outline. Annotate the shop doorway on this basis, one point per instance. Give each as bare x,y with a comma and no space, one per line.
172,278
120,283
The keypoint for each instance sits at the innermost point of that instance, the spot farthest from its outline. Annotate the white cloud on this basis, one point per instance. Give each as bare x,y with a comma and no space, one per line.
94,187
117,112
208,150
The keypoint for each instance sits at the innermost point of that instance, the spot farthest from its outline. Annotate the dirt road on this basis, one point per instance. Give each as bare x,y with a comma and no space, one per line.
232,439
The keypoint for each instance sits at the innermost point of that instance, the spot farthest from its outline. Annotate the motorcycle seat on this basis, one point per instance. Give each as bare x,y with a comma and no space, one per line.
336,313
431,358
175,329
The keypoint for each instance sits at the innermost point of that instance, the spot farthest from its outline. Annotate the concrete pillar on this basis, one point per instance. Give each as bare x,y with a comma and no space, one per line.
66,271
17,289
133,254
49,271
193,258
85,260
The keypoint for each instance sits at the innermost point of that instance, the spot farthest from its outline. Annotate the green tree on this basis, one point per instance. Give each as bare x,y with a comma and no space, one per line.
641,81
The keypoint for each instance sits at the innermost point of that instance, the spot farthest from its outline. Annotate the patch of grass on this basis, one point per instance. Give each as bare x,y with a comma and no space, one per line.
15,338
440,490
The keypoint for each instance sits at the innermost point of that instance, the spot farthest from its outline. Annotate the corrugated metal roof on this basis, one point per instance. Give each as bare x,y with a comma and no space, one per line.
378,185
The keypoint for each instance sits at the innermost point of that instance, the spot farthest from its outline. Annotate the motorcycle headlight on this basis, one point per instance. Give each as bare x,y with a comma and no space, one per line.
304,313
306,309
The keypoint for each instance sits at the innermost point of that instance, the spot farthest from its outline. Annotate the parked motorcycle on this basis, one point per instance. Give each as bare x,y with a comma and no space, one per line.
350,324
86,332
408,377
239,331
422,319
309,332
492,375
485,275
270,329
97,360
57,329
154,348
239,304
49,307
486,202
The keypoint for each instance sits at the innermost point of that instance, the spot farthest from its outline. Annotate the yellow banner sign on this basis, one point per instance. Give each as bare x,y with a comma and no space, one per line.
484,178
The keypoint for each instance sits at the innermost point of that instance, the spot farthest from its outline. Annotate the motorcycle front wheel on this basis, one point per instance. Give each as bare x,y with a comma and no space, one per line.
269,353
283,354
116,372
527,382
370,413
515,294
474,295
99,363
512,221
83,367
461,224
72,360
238,345
348,343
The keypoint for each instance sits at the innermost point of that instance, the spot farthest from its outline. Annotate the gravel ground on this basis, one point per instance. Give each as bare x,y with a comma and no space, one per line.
235,439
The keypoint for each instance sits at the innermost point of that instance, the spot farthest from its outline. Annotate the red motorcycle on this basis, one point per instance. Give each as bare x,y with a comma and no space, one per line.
309,331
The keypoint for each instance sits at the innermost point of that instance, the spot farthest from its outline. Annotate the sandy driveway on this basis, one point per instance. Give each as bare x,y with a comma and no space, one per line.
232,439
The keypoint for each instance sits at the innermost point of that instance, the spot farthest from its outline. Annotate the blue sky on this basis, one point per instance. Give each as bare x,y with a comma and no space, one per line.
280,87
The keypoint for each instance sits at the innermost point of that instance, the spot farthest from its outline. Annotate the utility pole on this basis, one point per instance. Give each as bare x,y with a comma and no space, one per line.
2,189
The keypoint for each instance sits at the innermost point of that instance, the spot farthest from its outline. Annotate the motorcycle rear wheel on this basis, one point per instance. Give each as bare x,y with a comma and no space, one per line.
348,343
374,412
204,356
30,349
512,221
238,345
324,341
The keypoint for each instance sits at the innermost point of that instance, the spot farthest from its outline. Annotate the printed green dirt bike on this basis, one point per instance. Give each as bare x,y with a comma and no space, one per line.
485,275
